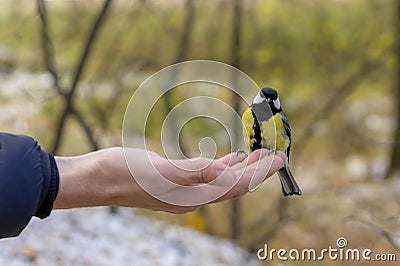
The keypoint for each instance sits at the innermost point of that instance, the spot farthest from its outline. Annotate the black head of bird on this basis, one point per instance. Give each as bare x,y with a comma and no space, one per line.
270,96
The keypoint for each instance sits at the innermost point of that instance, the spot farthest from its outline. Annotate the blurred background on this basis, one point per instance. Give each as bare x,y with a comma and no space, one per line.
69,68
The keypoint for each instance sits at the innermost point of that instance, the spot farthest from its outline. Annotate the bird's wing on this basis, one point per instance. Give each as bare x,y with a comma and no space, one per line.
286,124
288,131
248,122
252,132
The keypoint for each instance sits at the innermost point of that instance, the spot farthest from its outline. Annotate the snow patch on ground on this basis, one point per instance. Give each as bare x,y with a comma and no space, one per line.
94,237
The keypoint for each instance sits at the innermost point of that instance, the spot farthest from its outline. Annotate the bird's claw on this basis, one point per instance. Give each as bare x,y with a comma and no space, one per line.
272,152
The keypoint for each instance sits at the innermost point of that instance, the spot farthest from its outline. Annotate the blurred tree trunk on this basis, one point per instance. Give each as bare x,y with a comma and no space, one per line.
182,49
69,96
394,167
235,57
186,32
51,65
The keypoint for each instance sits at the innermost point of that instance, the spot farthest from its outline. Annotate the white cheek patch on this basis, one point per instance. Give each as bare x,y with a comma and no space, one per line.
277,104
258,99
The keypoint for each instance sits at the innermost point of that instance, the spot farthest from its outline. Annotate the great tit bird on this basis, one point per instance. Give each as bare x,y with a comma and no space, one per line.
267,127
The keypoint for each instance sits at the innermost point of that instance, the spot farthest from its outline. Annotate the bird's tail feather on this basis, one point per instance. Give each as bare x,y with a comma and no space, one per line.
289,185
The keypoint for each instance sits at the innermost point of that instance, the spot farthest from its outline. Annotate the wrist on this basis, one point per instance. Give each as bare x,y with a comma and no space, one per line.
81,182
115,180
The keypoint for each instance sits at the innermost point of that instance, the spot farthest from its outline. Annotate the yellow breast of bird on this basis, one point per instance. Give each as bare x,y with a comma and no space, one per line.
274,134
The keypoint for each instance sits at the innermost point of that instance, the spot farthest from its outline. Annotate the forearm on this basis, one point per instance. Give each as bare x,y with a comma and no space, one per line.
86,180
102,178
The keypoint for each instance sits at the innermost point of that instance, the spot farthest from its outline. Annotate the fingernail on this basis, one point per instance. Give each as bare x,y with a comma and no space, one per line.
242,155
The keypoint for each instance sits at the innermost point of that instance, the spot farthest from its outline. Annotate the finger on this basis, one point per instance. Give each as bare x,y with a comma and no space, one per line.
257,180
205,175
263,170
233,158
267,167
214,172
253,157
227,176
233,184
282,155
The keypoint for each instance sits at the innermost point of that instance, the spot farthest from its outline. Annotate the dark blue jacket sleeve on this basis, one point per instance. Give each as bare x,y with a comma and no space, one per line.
29,183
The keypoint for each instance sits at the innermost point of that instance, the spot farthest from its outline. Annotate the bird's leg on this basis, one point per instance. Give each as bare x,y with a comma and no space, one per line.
272,152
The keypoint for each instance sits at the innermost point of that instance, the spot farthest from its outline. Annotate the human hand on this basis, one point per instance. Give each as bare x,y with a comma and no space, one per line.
196,182
176,186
